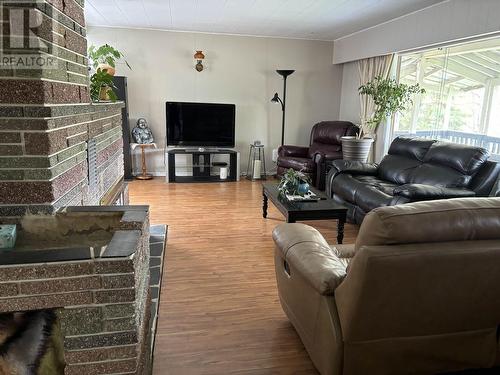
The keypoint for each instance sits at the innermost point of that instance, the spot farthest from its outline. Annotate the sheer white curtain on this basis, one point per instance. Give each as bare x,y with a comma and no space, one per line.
368,70
461,103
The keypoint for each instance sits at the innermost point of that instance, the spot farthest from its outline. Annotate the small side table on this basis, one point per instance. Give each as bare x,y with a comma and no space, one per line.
144,175
256,157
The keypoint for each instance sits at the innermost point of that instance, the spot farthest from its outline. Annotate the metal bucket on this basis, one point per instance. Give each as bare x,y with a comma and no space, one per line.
356,149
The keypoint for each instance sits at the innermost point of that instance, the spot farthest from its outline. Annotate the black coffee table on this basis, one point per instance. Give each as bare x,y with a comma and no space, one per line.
323,209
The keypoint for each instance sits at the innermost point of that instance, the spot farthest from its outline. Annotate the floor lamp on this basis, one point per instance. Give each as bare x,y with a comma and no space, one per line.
277,99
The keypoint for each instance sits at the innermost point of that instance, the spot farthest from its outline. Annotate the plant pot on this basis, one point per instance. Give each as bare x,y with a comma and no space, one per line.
109,69
356,149
104,93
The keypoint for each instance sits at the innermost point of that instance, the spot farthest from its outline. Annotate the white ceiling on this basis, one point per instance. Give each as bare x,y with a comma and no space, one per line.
308,19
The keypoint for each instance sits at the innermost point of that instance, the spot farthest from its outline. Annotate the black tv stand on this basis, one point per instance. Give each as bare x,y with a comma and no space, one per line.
202,165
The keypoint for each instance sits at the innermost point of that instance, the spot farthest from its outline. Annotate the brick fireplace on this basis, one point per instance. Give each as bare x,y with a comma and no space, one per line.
88,269
47,122
74,291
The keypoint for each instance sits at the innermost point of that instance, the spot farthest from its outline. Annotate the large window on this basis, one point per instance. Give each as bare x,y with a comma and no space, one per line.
462,99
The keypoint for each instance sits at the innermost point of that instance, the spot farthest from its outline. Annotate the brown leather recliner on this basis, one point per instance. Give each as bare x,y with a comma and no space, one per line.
324,145
419,292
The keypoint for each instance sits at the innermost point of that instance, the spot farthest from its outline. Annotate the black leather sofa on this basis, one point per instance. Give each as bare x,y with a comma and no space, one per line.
414,170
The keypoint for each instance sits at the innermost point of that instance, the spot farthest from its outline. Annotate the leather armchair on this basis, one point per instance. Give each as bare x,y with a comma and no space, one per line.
416,294
324,145
414,170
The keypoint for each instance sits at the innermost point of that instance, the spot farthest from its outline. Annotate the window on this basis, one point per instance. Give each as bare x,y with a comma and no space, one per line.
462,99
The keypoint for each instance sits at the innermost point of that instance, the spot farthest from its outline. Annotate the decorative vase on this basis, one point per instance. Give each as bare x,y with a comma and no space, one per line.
104,93
303,188
109,69
356,149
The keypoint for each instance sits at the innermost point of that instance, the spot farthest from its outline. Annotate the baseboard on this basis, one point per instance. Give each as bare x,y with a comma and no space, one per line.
163,174
156,174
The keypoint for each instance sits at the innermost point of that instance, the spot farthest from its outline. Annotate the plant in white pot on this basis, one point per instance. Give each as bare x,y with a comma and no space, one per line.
389,98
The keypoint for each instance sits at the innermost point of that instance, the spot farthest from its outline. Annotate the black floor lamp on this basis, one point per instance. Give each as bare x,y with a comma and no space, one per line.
277,99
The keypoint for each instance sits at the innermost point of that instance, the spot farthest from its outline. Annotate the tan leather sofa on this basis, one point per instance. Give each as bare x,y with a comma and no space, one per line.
419,292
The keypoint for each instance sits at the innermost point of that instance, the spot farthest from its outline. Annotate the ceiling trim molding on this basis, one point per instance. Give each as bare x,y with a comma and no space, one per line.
209,33
389,21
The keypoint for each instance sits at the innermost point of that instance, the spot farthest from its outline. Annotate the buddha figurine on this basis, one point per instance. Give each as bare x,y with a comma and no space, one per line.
142,133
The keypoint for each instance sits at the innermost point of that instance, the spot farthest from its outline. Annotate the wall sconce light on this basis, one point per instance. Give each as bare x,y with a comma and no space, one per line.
199,56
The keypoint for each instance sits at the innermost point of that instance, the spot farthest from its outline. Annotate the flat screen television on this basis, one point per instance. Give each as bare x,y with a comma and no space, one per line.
200,124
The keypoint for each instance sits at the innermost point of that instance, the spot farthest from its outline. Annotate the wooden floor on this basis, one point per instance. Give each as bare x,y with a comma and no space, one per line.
220,312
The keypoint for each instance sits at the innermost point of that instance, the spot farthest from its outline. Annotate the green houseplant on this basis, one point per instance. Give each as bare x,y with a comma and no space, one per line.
105,57
294,183
103,61
101,86
389,97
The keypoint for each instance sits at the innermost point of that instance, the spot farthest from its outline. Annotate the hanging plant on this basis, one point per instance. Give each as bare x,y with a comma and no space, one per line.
390,97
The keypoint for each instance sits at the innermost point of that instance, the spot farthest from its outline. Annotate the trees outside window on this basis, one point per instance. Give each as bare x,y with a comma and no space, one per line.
461,102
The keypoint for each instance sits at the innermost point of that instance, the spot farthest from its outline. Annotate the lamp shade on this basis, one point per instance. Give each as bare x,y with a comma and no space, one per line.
199,55
284,73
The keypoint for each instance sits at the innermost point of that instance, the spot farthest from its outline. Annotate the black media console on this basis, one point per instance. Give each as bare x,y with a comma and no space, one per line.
202,165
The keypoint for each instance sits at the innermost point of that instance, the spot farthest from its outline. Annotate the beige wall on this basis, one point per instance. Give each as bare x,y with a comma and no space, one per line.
239,70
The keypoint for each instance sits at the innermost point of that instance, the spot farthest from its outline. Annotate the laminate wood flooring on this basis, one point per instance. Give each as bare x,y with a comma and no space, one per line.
219,309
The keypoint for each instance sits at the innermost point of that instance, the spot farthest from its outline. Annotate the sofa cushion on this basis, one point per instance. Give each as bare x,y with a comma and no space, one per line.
413,148
421,161
405,154
367,192
419,192
397,168
460,219
449,165
439,175
303,164
462,158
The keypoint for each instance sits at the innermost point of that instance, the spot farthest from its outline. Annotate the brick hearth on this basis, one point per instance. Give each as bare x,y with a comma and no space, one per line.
46,119
100,293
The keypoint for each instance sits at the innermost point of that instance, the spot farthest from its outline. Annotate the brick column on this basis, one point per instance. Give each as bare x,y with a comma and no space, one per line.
46,118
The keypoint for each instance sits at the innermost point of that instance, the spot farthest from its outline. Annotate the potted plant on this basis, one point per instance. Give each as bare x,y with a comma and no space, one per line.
105,58
389,97
103,61
101,86
294,183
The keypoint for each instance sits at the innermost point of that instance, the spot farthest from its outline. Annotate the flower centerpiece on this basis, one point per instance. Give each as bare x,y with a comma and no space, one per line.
294,183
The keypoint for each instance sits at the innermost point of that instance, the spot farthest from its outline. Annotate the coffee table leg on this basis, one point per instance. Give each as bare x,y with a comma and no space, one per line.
264,205
340,231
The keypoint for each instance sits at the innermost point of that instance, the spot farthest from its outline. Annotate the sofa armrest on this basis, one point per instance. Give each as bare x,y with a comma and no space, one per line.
307,253
348,166
343,251
430,192
355,167
495,191
293,151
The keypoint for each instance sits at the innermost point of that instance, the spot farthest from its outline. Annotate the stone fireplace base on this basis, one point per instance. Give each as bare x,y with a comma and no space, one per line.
84,274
